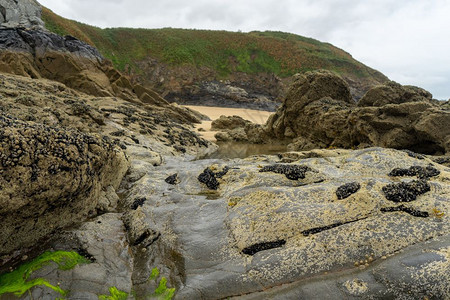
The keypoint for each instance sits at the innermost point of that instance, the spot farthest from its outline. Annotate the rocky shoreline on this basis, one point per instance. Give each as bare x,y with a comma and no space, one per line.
103,194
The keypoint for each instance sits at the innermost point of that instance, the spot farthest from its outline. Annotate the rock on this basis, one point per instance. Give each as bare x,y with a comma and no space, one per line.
146,131
228,123
266,235
394,93
51,178
259,91
104,241
223,136
318,113
24,13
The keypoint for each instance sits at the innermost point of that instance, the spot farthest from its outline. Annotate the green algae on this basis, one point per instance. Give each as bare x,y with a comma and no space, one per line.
161,292
154,275
16,281
115,295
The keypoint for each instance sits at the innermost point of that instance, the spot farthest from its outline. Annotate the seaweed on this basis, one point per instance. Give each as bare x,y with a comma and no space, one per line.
16,281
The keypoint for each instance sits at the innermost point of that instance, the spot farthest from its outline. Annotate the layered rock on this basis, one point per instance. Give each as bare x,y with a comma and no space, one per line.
318,113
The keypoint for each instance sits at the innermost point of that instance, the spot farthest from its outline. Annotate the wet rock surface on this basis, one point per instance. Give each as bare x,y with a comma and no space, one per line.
261,234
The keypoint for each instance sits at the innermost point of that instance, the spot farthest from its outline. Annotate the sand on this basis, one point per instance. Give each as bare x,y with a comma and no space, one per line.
255,116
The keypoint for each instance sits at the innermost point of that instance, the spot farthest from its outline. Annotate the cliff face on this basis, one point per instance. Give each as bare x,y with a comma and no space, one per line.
23,13
200,66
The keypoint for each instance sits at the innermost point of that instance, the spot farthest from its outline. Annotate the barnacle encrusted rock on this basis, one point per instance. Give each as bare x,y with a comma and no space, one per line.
51,178
265,234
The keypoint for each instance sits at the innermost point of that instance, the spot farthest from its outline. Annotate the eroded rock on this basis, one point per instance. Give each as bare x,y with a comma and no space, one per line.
51,178
318,113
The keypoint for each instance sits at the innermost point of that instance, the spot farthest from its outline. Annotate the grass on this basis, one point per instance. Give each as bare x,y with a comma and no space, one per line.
280,53
17,282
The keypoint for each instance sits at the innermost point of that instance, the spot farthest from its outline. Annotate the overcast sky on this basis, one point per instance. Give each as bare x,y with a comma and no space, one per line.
407,40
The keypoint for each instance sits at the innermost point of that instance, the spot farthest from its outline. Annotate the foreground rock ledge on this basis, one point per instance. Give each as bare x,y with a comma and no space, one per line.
259,230
51,178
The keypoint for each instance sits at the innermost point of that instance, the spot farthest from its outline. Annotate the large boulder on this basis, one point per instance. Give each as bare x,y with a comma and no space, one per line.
51,178
228,123
321,115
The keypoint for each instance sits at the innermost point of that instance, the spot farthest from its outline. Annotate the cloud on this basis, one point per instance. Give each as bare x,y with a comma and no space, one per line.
405,39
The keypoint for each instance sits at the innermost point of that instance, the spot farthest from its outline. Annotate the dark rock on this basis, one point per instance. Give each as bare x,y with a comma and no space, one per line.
172,179
347,189
413,154
405,192
316,230
443,160
253,249
292,172
409,210
420,172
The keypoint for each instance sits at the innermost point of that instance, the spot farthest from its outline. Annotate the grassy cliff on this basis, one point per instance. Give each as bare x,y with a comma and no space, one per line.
282,54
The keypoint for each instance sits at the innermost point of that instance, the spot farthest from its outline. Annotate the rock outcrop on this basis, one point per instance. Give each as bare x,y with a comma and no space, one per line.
23,13
273,220
318,113
40,54
51,178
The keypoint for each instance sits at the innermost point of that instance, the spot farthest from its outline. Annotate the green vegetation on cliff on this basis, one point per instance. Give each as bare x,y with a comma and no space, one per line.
224,52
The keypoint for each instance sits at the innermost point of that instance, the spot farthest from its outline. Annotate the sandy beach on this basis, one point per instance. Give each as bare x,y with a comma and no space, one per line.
256,116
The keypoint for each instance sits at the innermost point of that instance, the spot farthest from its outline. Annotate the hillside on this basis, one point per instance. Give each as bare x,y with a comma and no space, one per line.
177,62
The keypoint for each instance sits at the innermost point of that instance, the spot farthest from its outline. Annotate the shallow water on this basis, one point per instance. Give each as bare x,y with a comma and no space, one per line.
243,150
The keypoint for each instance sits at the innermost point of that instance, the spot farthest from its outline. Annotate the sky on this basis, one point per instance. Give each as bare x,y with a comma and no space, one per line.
407,40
